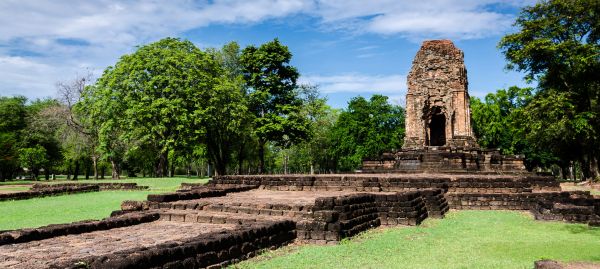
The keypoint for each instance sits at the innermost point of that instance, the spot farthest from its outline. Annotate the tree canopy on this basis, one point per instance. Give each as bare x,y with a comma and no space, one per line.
365,130
558,45
273,97
156,97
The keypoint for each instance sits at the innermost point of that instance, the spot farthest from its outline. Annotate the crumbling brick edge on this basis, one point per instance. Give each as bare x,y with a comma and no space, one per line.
214,250
61,190
86,226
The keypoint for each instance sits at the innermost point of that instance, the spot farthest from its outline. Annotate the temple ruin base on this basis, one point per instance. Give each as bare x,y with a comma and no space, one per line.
456,160
235,217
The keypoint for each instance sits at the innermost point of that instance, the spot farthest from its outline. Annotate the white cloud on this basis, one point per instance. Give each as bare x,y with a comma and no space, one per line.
21,76
358,83
102,30
457,19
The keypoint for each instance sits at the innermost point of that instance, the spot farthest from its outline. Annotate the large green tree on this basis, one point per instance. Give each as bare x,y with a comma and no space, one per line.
313,154
273,98
558,45
33,158
45,127
226,112
500,121
155,96
366,129
13,113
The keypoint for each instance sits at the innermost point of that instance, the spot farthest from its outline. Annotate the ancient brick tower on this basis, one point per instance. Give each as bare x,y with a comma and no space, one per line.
437,102
438,136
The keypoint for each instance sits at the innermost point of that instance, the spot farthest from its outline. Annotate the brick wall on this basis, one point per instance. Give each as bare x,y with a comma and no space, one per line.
60,190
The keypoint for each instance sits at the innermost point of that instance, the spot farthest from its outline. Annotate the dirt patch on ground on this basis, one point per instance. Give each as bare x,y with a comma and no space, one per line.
594,188
14,188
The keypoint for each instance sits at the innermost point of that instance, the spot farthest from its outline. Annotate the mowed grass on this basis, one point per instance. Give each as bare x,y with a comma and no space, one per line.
156,184
74,207
464,239
165,184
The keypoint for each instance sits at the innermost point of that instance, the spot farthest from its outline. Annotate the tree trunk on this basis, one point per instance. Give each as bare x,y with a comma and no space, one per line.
76,172
594,171
564,172
102,171
69,171
161,165
585,167
285,164
261,156
312,169
172,168
87,170
47,173
95,164
115,169
240,158
572,171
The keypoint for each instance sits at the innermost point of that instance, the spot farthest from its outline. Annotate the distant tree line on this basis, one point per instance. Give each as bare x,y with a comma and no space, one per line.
171,107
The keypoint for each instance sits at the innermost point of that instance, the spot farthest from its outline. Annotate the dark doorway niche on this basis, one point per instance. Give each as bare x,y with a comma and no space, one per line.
437,128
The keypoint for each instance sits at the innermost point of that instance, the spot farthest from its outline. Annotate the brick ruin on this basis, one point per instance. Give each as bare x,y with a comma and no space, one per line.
439,136
437,101
236,217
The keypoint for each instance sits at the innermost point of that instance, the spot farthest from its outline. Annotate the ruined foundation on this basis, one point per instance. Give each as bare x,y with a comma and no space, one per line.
235,217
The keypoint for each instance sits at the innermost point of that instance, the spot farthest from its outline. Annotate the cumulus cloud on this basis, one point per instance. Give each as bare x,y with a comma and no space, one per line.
45,41
357,83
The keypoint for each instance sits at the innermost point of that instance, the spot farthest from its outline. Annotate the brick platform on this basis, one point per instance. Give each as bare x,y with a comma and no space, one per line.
51,191
233,217
43,253
394,182
322,217
103,186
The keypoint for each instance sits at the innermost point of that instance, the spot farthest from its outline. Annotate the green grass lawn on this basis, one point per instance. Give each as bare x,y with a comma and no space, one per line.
19,182
165,184
156,184
464,239
68,208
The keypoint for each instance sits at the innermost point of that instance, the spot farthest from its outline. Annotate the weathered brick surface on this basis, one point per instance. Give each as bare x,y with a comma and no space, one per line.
320,209
578,207
174,241
198,193
395,182
64,249
435,202
322,216
212,249
41,233
102,186
58,190
439,137
437,86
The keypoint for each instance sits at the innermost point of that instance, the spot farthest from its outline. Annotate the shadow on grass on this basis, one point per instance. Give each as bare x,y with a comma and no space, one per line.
582,229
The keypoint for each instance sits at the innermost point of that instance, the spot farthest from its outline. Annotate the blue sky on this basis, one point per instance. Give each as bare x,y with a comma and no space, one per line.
347,48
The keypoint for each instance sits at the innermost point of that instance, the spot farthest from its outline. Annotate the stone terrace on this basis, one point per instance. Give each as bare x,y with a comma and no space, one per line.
44,253
233,217
321,217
